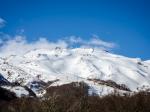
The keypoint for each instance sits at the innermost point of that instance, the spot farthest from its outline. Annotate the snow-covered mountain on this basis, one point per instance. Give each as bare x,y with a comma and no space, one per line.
102,71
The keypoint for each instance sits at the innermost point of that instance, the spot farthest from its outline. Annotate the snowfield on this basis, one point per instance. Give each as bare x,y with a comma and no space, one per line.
19,91
75,65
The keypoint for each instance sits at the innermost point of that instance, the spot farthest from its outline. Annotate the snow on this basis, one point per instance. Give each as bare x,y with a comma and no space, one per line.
148,61
74,65
18,90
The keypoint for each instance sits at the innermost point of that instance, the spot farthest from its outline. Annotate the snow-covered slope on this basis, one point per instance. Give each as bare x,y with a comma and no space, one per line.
148,61
74,65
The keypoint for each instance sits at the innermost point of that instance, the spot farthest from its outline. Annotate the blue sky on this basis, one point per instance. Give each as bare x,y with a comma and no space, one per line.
124,22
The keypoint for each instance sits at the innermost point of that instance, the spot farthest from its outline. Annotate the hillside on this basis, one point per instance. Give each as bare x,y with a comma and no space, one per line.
102,71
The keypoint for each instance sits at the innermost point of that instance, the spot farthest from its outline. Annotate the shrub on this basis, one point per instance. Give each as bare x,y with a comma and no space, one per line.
74,97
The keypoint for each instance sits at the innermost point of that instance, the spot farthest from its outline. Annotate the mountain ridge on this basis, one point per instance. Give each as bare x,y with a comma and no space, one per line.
75,65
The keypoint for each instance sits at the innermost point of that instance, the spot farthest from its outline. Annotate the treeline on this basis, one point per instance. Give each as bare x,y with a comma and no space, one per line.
74,98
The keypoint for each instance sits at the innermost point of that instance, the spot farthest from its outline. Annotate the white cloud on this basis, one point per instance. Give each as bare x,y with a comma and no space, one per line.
95,41
74,39
2,22
3,37
20,31
19,45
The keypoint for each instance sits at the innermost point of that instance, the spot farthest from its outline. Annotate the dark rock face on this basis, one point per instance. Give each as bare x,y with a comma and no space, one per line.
31,93
6,95
3,81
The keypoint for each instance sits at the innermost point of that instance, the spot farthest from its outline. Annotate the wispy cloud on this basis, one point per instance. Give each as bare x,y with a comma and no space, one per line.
94,41
18,45
3,38
2,22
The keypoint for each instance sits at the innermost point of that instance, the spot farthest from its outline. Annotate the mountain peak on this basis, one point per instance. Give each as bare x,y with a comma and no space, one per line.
75,65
